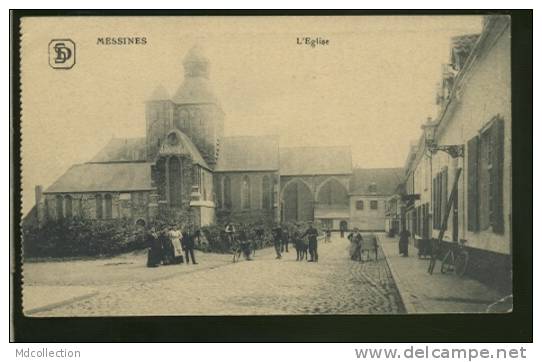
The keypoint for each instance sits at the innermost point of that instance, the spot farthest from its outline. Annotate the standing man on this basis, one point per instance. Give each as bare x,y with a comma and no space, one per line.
356,243
277,240
258,239
403,242
342,226
285,239
312,235
230,233
300,245
188,245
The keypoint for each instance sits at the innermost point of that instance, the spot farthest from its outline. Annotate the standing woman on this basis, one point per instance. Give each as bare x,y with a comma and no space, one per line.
175,237
403,242
154,256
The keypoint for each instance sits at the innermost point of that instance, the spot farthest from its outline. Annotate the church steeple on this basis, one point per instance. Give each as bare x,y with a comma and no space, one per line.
196,63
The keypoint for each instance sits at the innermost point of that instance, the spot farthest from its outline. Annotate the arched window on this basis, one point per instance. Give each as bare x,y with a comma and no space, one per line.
175,182
59,207
266,193
333,193
245,193
227,192
108,206
68,206
99,207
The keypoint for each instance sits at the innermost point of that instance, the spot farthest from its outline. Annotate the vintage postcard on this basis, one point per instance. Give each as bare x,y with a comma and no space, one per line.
266,165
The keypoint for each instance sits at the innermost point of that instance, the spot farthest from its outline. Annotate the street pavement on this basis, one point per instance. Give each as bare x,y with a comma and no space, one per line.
436,293
123,286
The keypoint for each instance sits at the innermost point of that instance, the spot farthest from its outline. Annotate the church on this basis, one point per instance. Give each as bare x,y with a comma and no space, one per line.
185,169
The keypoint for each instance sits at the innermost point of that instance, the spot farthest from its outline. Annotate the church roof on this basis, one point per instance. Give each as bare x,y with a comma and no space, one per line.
248,153
315,161
385,180
122,149
94,177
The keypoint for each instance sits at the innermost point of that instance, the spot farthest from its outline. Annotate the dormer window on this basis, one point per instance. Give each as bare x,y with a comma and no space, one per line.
372,187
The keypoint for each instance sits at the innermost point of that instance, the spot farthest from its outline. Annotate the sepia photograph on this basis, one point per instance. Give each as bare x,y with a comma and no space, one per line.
266,165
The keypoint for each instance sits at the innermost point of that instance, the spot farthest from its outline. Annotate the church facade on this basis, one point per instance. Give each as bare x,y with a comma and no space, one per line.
185,169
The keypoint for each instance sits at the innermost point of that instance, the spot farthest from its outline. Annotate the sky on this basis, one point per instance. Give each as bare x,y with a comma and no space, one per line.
370,88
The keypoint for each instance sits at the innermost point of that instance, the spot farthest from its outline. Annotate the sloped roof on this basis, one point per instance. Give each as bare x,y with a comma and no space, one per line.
315,160
93,177
122,149
385,179
248,153
184,146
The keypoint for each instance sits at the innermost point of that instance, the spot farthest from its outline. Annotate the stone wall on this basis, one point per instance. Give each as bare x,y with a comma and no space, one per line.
124,205
367,218
259,207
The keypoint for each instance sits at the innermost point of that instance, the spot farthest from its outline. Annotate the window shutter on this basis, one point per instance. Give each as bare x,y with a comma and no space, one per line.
473,149
434,190
444,199
497,136
439,198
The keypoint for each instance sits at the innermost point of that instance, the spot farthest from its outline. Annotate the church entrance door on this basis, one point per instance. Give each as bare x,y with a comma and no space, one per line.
297,202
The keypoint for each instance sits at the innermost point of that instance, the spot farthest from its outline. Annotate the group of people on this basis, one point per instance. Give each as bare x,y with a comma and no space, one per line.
283,235
168,243
249,238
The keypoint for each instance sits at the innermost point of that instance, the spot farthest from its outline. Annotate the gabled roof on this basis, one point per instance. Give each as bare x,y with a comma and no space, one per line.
93,177
385,179
122,149
248,153
315,161
183,146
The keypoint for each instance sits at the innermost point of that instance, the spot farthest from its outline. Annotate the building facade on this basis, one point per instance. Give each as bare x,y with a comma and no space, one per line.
185,170
475,116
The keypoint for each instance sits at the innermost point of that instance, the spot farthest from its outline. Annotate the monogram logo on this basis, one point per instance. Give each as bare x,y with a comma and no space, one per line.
62,53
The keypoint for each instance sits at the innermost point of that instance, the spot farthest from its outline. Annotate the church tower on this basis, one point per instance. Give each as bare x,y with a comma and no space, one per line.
159,112
197,112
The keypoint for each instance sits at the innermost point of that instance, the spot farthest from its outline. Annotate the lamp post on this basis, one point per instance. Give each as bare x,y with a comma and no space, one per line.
429,131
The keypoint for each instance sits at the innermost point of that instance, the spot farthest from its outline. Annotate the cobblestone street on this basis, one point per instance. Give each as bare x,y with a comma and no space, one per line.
334,285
